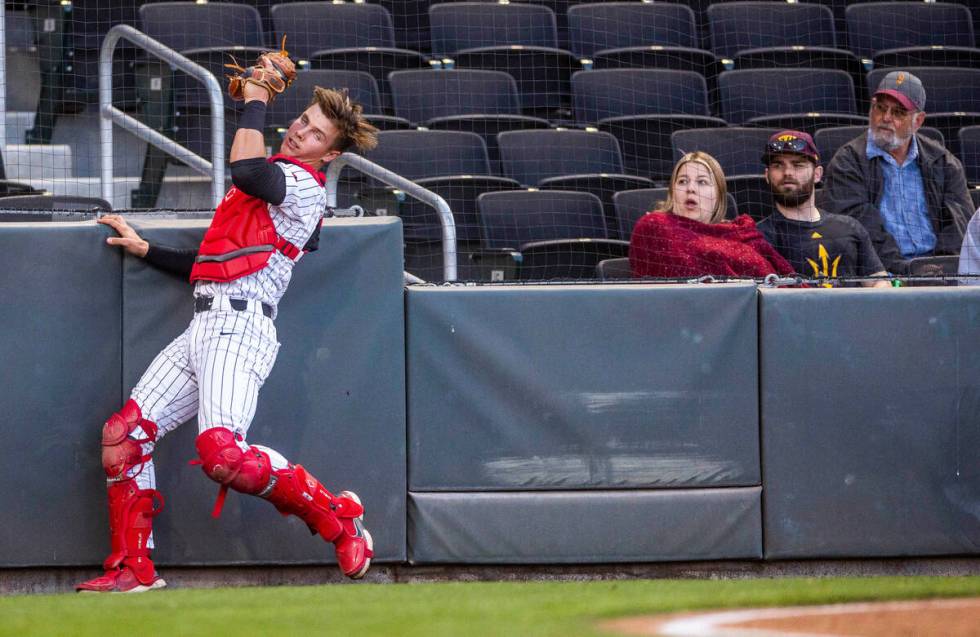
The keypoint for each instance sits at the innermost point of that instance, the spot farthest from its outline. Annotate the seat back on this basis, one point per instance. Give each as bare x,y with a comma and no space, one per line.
313,26
612,269
757,92
466,25
420,95
596,26
876,26
970,152
415,154
736,26
738,150
513,218
621,92
189,25
532,155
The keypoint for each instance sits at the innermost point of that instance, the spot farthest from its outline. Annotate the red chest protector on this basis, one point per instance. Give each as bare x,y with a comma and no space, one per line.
242,237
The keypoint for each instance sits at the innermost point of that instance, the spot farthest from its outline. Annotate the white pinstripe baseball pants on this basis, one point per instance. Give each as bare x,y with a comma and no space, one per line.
214,369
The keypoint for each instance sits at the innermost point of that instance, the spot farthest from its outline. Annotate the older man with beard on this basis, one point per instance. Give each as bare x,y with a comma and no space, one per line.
907,190
817,244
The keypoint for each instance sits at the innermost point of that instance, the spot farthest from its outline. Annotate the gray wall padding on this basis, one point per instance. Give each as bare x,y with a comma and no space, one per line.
335,401
594,387
61,345
870,412
585,526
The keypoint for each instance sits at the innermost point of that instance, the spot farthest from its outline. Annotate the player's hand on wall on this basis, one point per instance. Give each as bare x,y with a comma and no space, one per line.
127,239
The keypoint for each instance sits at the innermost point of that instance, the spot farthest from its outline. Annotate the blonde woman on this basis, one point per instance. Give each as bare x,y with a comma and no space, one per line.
688,236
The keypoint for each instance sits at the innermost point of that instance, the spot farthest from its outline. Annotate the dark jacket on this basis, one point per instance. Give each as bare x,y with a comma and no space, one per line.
855,184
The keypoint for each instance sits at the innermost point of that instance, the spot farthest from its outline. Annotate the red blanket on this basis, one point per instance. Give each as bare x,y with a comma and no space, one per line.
666,245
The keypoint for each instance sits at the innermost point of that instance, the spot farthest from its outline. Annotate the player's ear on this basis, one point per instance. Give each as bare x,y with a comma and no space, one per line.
817,174
766,174
330,156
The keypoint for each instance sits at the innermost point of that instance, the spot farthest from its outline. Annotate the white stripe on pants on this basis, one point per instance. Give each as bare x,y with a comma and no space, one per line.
214,368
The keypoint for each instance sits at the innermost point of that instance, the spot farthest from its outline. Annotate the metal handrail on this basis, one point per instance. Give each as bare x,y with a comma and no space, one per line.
409,188
110,114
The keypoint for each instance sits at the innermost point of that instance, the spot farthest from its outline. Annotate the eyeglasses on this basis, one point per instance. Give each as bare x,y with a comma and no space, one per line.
883,109
791,145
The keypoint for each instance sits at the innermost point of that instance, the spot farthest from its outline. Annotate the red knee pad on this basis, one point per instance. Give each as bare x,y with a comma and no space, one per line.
121,452
226,463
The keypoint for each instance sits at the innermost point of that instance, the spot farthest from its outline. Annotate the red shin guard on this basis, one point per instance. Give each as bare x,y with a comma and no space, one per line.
292,491
128,567
131,511
336,518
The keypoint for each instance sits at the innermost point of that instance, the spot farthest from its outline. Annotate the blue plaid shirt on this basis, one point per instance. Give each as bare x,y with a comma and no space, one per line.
903,204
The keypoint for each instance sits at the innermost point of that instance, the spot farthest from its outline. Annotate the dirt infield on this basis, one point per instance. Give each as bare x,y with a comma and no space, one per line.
934,618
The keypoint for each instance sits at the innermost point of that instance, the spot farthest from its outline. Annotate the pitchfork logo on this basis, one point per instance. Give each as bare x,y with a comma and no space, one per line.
826,268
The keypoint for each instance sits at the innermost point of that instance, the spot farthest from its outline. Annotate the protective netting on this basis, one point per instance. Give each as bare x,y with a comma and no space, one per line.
549,127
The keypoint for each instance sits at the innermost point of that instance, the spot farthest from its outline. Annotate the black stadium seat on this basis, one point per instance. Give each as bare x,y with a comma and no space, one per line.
455,26
557,234
415,154
736,26
530,156
620,92
738,149
594,27
604,186
759,92
310,26
419,96
876,26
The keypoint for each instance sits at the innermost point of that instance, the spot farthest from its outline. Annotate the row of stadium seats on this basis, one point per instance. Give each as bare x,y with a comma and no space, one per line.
457,166
609,35
584,28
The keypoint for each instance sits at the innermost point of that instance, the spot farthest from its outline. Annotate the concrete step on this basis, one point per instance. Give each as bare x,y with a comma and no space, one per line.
180,193
17,124
24,163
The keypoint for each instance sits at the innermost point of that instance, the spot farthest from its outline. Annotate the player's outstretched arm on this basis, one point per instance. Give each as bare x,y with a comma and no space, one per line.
174,260
128,238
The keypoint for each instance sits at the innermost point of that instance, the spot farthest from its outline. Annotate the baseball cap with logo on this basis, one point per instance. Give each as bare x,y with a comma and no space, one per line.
904,87
791,141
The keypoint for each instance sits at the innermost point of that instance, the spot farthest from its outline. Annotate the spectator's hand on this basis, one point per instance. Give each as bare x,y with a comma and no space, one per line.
930,269
127,239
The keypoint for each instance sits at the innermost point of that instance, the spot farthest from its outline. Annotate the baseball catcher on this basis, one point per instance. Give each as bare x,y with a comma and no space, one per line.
214,370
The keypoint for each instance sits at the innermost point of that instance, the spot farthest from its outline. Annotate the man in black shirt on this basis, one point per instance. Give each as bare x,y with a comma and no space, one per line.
817,245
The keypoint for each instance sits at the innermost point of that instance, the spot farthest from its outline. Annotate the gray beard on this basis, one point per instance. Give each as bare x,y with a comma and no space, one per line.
888,145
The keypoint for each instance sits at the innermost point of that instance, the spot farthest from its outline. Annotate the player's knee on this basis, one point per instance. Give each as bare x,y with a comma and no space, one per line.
122,451
225,462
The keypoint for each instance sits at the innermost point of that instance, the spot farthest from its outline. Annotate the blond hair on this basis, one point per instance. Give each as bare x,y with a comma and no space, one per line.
709,162
348,116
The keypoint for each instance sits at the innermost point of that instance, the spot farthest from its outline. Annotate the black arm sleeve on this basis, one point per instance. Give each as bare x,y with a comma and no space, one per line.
259,178
177,261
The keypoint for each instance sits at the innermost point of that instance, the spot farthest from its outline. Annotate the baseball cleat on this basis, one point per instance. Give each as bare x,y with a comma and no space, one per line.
355,546
120,581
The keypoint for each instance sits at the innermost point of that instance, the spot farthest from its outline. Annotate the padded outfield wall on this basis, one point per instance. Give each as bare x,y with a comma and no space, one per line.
517,424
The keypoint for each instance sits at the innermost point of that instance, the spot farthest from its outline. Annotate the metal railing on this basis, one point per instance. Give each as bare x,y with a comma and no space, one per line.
108,114
409,188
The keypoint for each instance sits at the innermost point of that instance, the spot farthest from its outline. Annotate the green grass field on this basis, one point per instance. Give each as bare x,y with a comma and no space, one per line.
560,609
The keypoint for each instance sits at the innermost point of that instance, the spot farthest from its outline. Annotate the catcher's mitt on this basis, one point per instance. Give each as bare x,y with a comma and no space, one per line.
273,71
